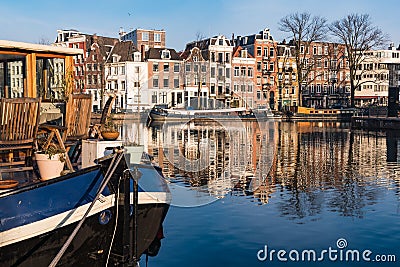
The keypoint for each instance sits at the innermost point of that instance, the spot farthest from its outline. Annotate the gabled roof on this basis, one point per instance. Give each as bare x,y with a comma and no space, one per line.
238,49
124,50
155,53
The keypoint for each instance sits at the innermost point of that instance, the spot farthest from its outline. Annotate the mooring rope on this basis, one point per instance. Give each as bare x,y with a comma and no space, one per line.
73,234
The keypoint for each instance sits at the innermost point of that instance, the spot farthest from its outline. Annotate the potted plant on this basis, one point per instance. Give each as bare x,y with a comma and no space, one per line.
109,130
50,160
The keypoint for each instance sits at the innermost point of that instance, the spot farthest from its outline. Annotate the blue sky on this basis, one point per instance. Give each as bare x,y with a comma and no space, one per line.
30,21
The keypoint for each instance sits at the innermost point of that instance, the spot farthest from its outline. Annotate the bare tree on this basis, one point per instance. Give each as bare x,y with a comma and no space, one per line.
304,30
358,35
44,41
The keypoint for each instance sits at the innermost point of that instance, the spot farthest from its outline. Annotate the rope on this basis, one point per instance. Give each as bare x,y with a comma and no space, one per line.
116,222
72,236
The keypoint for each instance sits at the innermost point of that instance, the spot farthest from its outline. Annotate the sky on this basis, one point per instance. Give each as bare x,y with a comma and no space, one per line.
36,20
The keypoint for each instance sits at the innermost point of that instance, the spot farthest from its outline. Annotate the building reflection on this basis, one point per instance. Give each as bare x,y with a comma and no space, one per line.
260,158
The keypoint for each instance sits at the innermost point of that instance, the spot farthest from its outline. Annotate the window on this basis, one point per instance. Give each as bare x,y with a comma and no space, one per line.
228,73
123,86
212,89
154,98
166,54
88,67
145,36
302,49
318,90
115,70
94,79
176,83
235,87
188,67
137,69
227,88
258,95
157,37
176,67
155,81
123,70
243,71
258,66
166,82
271,66
212,72
220,72
227,57
250,88
314,50
259,51
136,56
236,72
220,57
250,72
89,79
212,56
203,68
166,67
155,67
271,52
196,68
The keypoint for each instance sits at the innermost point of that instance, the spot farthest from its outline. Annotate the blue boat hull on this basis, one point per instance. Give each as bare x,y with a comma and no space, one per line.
36,220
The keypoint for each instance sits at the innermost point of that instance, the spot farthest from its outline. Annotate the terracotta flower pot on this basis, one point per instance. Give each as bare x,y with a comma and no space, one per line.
49,168
109,136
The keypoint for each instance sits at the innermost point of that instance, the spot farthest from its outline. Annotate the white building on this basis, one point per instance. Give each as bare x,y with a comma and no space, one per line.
126,77
373,76
218,52
164,74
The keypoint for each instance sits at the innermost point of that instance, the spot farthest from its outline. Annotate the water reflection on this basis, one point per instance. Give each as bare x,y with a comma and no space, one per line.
306,167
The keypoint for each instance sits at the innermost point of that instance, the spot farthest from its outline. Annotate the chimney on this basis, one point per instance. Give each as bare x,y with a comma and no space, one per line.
142,51
121,33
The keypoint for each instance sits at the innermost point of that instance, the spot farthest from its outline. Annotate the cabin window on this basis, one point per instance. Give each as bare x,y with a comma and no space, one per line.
12,76
51,80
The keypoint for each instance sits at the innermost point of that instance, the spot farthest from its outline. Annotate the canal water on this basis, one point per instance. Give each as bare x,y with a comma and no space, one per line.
277,194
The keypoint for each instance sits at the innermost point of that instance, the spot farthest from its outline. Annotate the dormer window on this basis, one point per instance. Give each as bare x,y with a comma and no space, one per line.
114,58
243,53
136,56
165,54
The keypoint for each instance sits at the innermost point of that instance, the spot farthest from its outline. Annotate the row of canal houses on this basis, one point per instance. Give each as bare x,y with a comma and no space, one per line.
253,71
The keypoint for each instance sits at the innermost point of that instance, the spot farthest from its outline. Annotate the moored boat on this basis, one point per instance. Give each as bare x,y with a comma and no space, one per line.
38,217
160,113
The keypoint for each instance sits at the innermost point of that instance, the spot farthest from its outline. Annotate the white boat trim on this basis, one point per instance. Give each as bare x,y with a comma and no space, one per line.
49,224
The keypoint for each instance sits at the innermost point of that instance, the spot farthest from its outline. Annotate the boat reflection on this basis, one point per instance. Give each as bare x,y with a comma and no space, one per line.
258,159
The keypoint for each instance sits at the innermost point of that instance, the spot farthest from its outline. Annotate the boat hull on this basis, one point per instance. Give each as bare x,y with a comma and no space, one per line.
36,220
91,245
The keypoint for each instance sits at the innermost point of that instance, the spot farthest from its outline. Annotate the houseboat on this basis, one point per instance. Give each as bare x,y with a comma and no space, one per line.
109,212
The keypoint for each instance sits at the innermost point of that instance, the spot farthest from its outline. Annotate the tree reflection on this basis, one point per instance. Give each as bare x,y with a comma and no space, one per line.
307,167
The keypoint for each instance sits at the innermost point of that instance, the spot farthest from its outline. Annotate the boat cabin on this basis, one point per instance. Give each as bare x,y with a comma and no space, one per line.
34,70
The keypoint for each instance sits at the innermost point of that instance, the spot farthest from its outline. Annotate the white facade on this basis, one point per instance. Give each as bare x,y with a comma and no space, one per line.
373,76
128,81
220,58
